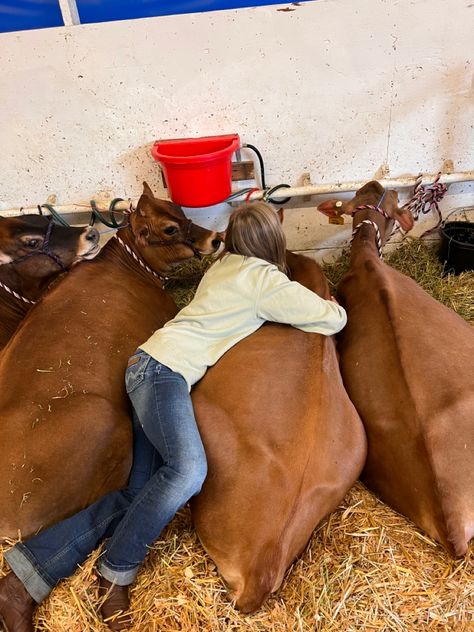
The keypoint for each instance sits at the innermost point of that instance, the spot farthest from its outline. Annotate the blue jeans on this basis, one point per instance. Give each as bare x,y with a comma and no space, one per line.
169,466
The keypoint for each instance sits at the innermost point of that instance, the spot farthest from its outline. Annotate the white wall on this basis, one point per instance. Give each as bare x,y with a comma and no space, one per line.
333,87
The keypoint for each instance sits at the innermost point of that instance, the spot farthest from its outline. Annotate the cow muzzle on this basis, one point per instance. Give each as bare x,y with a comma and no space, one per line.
89,243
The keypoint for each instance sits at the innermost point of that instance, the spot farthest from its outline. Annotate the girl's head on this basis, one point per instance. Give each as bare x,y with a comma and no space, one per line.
255,230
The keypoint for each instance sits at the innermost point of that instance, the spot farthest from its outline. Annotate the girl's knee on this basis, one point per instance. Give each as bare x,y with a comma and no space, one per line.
196,474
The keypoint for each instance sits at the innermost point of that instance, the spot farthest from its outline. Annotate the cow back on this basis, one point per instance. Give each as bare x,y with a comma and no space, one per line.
66,428
407,364
284,444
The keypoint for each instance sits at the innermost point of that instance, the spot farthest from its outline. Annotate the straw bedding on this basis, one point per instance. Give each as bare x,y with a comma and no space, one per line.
365,568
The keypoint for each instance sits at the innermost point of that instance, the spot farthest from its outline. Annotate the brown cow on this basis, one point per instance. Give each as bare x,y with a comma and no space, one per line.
284,444
66,432
34,251
408,366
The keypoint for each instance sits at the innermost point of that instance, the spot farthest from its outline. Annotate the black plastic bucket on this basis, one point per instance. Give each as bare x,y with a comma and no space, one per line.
457,246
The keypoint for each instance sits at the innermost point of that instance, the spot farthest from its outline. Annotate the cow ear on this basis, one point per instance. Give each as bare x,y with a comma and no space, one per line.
146,204
405,219
281,215
402,215
143,236
147,191
332,208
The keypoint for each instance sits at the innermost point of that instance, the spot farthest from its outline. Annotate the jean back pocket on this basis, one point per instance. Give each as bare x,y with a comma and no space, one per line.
136,369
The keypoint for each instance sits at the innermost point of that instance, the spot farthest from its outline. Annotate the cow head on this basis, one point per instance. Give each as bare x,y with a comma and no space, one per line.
371,194
38,248
165,236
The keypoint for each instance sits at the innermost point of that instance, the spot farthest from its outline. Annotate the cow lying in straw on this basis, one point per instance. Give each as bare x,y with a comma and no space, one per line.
407,364
33,252
284,444
66,431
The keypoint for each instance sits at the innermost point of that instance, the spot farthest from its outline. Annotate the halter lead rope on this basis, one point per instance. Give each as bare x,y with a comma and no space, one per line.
378,209
426,198
378,239
138,260
16,295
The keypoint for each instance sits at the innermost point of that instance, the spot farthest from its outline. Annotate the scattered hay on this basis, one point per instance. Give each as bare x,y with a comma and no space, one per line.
420,262
366,568
183,282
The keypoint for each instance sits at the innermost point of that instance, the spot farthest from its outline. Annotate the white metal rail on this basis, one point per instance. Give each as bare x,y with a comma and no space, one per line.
308,190
388,183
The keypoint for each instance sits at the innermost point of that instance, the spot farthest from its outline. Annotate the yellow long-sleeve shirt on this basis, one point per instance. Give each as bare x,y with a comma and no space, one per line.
234,298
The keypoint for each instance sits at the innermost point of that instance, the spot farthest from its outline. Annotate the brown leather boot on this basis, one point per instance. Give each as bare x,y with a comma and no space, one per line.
16,605
114,608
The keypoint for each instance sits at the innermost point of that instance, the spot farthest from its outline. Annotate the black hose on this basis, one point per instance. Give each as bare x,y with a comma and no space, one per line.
260,160
268,194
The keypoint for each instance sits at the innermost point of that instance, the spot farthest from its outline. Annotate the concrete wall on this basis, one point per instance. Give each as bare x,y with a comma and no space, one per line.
335,88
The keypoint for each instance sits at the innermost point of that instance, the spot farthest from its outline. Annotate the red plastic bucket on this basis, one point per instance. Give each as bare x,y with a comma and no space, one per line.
198,171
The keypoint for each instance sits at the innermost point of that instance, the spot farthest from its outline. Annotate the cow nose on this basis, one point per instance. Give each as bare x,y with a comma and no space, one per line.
93,235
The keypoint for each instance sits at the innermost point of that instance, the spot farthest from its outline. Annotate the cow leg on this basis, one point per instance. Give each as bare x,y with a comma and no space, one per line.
55,553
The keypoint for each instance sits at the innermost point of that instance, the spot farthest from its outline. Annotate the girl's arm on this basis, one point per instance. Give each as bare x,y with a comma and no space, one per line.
283,301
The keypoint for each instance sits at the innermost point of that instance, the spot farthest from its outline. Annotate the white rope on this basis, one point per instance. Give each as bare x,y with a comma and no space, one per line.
15,294
378,238
138,260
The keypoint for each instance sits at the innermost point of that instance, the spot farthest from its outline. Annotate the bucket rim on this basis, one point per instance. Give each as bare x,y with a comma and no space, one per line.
452,239
232,145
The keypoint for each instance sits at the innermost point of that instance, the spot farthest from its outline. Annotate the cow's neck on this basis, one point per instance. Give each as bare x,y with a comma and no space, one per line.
12,308
15,277
118,253
364,243
307,272
12,312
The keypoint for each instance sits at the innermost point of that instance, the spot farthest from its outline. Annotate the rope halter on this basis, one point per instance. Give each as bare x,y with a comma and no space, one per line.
378,238
371,207
16,295
44,250
426,198
140,261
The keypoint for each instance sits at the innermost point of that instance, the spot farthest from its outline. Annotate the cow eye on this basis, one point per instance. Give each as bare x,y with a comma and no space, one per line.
171,230
32,243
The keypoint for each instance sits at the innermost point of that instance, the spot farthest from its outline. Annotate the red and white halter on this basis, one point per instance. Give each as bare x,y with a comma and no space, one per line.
378,238
378,209
15,294
138,260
